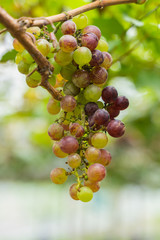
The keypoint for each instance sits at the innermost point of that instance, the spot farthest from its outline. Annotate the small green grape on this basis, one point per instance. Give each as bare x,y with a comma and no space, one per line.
36,31
82,56
36,75
18,58
92,93
52,79
32,82
43,46
26,57
63,58
85,194
102,46
23,67
56,66
81,21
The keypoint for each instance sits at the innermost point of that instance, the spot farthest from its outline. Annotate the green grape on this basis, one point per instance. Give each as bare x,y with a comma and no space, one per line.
18,58
82,56
53,106
92,93
17,45
43,46
99,140
36,31
81,98
100,104
52,79
67,71
32,82
26,57
36,75
56,66
58,175
85,194
70,89
23,67
81,21
102,46
63,58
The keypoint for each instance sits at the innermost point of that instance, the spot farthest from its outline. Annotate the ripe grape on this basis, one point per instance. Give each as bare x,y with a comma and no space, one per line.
32,82
76,129
57,150
97,58
99,140
82,56
53,106
96,172
43,46
58,175
102,46
36,75
98,75
17,45
70,89
92,29
63,58
89,40
116,128
26,57
36,31
94,186
55,131
23,67
81,21
73,191
68,27
68,43
109,94
67,71
81,78
69,144
74,160
85,194
92,154
107,60
121,103
105,158
113,112
68,103
92,93
90,108
101,116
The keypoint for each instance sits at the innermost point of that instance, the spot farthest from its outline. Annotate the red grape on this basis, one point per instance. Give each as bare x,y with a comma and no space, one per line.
68,27
97,58
101,116
68,43
99,75
121,103
58,175
57,150
56,131
69,144
92,154
109,94
68,103
92,29
76,129
105,158
94,186
73,191
96,172
89,40
81,78
74,160
90,108
116,128
107,60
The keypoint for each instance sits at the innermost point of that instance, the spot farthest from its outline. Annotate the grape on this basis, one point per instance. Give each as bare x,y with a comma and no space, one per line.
91,121
74,160
99,140
109,94
57,150
65,126
53,106
94,186
18,58
100,104
67,43
17,45
81,21
77,130
68,103
90,108
98,75
56,66
85,194
89,40
116,128
105,158
97,58
92,29
121,103
36,75
36,31
102,46
58,175
67,71
113,112
73,191
68,27
52,80
101,116
92,154
32,82
107,60
81,78
82,56
23,67
96,172
63,58
55,131
43,46
26,57
69,144
70,89
92,93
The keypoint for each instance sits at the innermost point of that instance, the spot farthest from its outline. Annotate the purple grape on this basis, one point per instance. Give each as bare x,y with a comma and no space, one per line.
98,75
121,103
90,108
81,78
109,94
89,40
97,58
69,144
113,112
116,128
101,116
92,29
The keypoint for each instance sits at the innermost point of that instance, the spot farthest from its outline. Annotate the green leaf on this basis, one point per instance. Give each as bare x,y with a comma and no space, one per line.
9,56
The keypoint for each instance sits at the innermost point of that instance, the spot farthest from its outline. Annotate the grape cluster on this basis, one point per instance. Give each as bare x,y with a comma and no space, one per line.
88,107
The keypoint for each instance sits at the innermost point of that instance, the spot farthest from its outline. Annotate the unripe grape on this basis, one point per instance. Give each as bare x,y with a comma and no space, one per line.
56,66
58,175
73,191
55,131
105,158
81,78
100,104
18,58
36,31
70,89
90,108
53,106
26,57
89,40
68,103
85,194
43,46
81,21
99,140
99,75
82,56
57,150
101,116
23,67
115,128
67,71
74,160
17,45
94,186
36,75
107,60
92,93
102,46
92,154
52,79
77,130
97,58
68,43
69,144
81,99
96,172
32,82
63,58
121,103
109,94
68,27
92,29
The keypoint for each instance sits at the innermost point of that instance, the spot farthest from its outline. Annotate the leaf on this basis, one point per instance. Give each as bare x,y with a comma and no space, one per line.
134,21
9,56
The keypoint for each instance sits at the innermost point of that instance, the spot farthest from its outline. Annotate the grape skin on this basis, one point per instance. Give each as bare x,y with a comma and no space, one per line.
55,131
53,106
89,40
69,144
94,186
92,154
58,175
99,140
97,58
92,93
99,75
96,172
90,108
74,160
116,128
92,29
73,191
57,150
81,78
67,43
68,27
82,56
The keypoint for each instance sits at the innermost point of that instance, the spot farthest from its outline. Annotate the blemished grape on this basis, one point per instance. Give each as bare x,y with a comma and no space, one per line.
92,93
76,130
55,131
36,31
56,66
109,94
74,160
89,40
58,175
81,21
43,46
82,56
70,89
36,75
99,75
68,103
68,43
23,67
101,116
92,154
99,140
57,150
102,46
68,27
63,58
17,45
92,29
73,191
94,186
90,108
53,106
85,194
81,78
105,158
96,172
107,60
121,103
33,83
115,128
69,144
113,112
97,58
26,57
67,71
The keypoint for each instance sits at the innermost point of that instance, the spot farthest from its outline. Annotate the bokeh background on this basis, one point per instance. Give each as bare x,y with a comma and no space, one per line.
128,205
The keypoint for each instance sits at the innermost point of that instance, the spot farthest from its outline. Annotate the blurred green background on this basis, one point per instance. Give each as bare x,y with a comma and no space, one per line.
129,197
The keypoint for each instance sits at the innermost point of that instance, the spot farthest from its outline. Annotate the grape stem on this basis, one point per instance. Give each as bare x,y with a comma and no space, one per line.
3,30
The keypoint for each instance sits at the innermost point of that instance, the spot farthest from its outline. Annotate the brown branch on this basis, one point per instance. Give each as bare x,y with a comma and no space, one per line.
3,30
